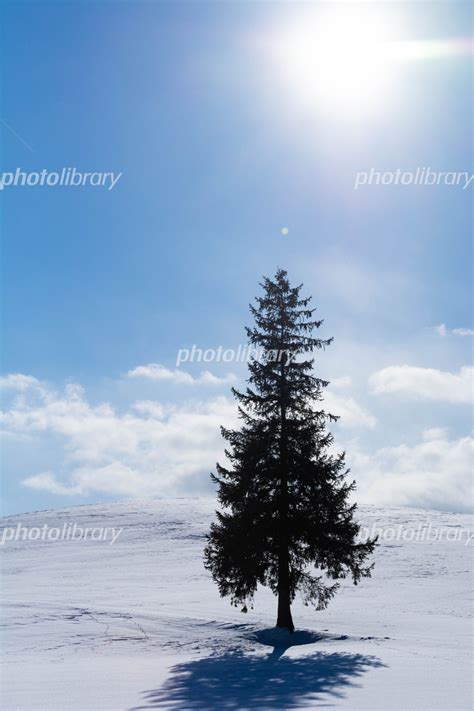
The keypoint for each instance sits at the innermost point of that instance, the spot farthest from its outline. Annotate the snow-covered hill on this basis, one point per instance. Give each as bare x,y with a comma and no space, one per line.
138,624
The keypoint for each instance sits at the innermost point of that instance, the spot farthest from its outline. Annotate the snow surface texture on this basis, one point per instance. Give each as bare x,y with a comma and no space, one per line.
139,624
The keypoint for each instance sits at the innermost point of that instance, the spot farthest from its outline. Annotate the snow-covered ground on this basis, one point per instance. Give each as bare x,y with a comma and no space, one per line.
139,624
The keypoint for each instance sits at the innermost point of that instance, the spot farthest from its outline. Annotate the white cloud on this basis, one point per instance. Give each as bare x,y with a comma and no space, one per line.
155,448
343,381
345,406
151,448
443,331
155,371
351,413
427,383
47,482
20,383
435,473
150,408
435,433
114,478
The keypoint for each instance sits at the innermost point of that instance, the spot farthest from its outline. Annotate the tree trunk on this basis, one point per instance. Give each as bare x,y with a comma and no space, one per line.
284,618
284,611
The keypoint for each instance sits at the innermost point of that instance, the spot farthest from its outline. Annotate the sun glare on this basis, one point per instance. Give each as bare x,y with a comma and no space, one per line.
346,60
338,58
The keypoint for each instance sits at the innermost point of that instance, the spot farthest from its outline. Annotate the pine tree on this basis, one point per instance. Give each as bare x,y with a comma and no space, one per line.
286,521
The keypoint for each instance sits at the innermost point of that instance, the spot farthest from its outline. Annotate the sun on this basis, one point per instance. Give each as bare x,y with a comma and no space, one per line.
338,58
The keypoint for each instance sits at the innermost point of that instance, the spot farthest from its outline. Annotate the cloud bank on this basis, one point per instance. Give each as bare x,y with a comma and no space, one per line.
435,473
151,448
427,383
155,371
442,330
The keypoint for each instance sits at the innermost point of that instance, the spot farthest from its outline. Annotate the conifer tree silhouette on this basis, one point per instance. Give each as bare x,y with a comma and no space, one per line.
286,522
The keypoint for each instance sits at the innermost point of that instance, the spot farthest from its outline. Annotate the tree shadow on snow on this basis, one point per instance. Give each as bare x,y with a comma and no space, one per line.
235,680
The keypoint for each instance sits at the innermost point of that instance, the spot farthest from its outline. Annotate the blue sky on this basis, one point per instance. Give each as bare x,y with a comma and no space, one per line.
218,153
